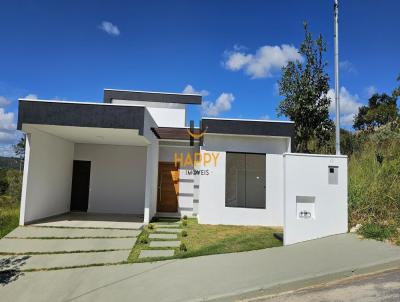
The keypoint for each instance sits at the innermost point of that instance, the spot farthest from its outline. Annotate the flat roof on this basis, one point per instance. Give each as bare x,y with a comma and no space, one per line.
151,96
248,127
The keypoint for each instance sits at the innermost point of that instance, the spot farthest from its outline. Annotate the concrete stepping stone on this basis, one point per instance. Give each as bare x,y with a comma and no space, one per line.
165,225
40,232
156,253
168,230
27,262
163,236
22,246
164,243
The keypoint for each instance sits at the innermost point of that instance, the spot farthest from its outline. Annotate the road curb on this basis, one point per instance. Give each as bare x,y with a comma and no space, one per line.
305,281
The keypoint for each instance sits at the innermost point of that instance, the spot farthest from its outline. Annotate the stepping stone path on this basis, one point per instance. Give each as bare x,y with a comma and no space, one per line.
168,230
164,236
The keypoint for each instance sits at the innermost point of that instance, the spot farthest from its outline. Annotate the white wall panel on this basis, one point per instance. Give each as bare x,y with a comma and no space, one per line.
307,179
46,189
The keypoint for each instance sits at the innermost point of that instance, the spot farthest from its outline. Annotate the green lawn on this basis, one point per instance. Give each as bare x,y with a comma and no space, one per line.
9,215
203,239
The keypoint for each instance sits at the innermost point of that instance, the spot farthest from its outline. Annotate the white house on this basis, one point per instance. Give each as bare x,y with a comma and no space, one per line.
134,154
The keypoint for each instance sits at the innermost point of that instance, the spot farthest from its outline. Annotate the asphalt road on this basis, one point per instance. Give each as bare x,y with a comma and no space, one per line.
369,288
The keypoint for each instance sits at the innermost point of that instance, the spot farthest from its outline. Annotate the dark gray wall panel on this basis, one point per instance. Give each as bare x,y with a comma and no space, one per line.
80,115
139,96
248,127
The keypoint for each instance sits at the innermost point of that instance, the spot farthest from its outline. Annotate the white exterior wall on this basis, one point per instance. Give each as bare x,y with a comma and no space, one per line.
117,177
307,175
212,208
186,180
46,188
151,171
164,114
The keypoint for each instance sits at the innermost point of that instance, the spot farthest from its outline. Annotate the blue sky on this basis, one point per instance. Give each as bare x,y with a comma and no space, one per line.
231,51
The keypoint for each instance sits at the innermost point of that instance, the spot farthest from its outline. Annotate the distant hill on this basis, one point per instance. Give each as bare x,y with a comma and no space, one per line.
9,162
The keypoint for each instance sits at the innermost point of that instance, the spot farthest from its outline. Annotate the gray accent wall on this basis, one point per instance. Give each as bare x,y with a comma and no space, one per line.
80,115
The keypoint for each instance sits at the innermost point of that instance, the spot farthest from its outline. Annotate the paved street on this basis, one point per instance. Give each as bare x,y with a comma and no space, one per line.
369,288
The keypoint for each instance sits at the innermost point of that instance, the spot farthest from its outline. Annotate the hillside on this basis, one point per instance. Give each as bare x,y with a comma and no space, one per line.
374,182
9,162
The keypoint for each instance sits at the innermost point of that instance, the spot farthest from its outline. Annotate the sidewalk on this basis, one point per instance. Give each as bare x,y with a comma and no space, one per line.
207,277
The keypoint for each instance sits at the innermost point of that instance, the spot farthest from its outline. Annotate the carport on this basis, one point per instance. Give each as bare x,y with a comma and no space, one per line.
85,157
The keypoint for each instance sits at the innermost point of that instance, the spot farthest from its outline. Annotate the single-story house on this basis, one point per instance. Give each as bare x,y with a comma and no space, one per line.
135,154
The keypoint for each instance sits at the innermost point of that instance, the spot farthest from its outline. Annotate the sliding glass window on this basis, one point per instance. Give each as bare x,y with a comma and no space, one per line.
245,180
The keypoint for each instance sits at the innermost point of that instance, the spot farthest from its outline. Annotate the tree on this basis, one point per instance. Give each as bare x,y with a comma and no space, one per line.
381,109
304,85
396,92
19,148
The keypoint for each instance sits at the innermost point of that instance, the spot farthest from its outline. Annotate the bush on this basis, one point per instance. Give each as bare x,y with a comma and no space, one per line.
184,234
144,240
377,231
183,247
185,217
184,223
150,226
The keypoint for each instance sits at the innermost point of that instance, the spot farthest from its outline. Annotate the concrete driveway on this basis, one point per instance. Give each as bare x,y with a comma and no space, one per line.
226,277
69,241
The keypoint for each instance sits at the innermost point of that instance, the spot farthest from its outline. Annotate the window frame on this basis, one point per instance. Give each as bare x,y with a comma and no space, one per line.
245,186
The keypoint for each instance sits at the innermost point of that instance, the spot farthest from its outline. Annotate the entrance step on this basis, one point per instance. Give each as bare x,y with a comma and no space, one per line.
156,253
164,243
163,236
168,230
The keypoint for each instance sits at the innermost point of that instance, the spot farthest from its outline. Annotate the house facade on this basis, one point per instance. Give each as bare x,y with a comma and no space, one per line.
134,154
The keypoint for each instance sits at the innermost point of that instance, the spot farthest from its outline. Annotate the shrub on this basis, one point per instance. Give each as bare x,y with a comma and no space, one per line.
184,234
377,231
183,247
184,223
185,217
144,240
150,226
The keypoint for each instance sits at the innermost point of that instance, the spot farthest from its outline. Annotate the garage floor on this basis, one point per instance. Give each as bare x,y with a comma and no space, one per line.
92,220
70,240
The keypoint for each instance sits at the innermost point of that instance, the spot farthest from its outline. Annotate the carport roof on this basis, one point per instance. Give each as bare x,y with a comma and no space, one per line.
80,115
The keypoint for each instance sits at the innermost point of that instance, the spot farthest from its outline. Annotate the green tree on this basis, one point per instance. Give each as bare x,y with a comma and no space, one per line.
304,86
19,148
396,92
381,109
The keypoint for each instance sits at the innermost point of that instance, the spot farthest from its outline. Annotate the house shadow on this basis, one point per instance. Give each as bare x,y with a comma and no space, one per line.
10,268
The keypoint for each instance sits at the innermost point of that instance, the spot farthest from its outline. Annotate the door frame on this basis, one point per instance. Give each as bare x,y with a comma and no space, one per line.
177,166
88,189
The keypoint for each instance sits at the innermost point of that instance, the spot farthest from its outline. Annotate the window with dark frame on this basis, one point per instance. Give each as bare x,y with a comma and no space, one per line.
245,180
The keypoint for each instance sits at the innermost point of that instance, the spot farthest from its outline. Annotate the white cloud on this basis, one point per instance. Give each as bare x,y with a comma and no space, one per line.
370,90
347,66
265,117
189,89
4,101
349,104
7,150
8,133
6,120
31,96
222,103
266,60
109,28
